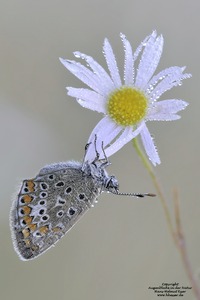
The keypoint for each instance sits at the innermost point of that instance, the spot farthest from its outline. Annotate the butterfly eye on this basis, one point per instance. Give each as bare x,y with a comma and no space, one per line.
112,184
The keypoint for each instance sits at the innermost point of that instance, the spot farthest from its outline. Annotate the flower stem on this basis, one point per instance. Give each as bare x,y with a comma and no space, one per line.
157,186
177,234
182,246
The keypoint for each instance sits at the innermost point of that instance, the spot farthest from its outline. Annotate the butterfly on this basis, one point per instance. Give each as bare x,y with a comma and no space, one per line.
50,204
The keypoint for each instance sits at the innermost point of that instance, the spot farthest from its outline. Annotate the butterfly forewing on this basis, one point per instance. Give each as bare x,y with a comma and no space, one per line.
48,206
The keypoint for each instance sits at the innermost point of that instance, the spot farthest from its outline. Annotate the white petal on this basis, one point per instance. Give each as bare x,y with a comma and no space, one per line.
137,52
149,60
104,130
149,146
166,110
91,105
99,71
163,117
88,99
168,82
127,135
171,105
85,94
128,61
161,75
113,134
84,74
112,64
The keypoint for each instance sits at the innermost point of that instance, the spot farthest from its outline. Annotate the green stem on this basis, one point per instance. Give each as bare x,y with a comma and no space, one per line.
157,186
177,234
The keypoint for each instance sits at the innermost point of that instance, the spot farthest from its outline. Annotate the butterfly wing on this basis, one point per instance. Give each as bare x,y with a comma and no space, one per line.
48,206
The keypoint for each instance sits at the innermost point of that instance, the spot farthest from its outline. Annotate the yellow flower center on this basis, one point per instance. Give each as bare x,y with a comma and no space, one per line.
127,106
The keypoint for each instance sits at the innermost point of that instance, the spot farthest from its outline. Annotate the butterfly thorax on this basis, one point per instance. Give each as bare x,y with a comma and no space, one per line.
99,174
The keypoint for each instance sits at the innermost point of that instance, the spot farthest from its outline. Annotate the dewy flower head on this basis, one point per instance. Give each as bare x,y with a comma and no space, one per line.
129,105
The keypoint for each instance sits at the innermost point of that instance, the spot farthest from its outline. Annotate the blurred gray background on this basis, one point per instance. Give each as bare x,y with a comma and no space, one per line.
122,246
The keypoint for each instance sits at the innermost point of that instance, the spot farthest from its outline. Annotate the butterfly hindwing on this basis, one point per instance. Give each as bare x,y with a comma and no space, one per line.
48,206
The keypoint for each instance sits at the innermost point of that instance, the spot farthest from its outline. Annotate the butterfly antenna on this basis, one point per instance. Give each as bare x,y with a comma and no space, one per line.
138,195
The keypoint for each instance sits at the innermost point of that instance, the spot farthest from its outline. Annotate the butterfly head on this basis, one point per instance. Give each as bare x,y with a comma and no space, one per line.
111,184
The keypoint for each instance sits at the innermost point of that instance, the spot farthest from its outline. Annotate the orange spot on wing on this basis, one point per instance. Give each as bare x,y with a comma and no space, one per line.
43,229
27,198
56,229
26,210
26,233
28,242
32,227
31,185
27,219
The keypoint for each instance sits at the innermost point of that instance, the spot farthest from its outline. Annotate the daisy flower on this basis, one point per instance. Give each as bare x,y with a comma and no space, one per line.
127,105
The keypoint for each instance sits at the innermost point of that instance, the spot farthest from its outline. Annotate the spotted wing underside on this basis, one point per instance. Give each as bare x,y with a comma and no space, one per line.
47,207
